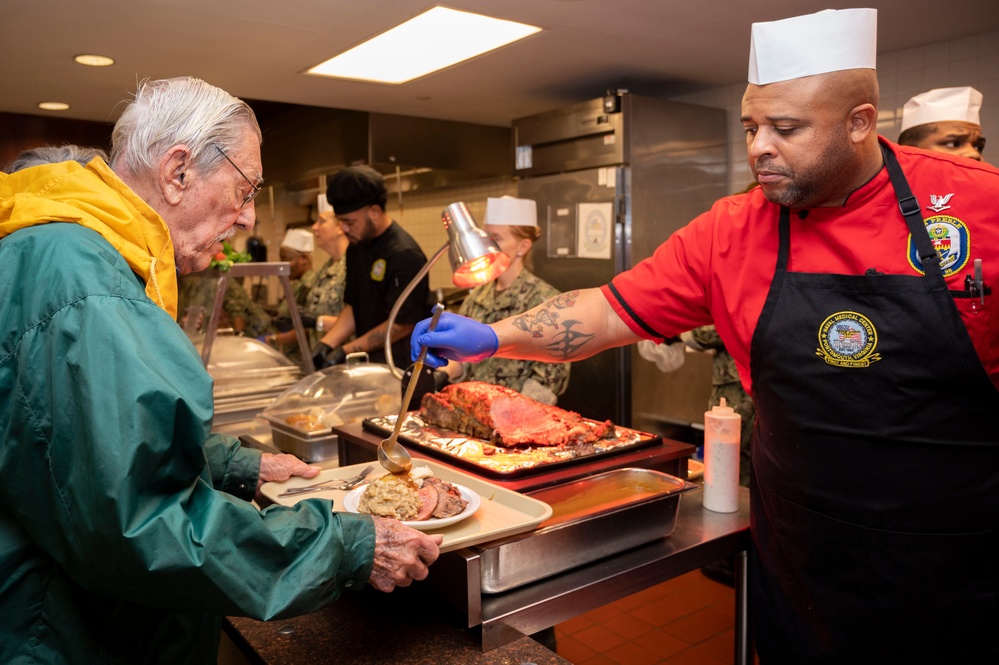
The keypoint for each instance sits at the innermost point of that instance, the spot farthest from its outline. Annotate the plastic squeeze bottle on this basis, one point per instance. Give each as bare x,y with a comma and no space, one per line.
722,432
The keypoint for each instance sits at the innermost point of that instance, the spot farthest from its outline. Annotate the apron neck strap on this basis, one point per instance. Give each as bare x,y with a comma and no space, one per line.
784,238
909,207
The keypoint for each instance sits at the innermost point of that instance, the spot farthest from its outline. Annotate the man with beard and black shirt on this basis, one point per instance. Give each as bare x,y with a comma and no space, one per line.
381,260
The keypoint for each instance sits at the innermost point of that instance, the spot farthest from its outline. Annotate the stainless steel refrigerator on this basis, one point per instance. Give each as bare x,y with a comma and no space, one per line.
613,178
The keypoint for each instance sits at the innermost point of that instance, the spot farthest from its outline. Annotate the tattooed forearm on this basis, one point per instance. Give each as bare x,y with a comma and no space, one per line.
372,341
376,338
545,315
563,300
537,322
566,344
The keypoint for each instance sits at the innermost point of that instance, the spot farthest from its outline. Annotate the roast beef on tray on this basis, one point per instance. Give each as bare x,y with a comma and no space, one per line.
506,418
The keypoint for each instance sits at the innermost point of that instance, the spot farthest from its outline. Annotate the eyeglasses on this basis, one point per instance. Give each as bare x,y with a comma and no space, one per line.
253,192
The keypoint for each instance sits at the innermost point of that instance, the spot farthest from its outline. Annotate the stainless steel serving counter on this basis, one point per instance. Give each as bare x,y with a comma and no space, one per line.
700,537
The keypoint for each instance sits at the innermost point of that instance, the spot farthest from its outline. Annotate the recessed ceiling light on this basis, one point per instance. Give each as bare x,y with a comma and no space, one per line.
53,106
92,60
435,39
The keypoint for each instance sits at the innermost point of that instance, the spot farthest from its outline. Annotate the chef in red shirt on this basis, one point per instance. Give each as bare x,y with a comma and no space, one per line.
845,287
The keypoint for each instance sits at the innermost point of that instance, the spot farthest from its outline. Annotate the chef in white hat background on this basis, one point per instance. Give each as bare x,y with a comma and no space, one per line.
296,249
845,287
513,225
945,120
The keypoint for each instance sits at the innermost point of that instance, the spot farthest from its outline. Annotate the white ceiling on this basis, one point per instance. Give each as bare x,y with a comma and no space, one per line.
256,49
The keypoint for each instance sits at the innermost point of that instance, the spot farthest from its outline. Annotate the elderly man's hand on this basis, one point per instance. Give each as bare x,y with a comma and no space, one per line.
281,467
402,554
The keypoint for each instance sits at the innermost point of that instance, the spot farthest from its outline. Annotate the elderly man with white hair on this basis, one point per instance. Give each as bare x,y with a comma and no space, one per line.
126,528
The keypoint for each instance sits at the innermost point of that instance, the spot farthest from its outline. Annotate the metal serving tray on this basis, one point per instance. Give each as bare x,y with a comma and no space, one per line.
591,518
313,445
483,458
308,448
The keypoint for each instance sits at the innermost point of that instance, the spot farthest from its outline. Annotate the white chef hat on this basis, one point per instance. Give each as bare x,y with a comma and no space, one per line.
829,41
509,211
299,240
324,205
941,104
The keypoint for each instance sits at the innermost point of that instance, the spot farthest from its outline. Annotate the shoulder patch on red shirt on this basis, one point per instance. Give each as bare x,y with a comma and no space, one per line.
951,239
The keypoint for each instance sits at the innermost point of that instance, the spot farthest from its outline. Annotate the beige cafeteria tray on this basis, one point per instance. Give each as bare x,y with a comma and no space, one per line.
502,512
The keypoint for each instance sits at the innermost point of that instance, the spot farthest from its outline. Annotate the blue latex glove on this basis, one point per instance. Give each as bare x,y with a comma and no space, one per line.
263,338
455,338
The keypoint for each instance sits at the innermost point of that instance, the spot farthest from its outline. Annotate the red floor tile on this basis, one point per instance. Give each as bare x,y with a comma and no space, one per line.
572,649
599,638
630,653
701,625
688,620
661,643
627,626
575,624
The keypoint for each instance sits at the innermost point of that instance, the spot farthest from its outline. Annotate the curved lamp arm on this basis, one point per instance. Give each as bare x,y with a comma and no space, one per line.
398,305
475,259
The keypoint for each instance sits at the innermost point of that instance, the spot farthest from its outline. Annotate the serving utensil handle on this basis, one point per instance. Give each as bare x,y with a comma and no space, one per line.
417,368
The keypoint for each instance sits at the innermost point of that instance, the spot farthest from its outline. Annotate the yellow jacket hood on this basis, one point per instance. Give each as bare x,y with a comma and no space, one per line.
96,198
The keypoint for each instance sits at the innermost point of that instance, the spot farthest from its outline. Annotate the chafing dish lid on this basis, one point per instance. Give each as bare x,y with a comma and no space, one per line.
336,395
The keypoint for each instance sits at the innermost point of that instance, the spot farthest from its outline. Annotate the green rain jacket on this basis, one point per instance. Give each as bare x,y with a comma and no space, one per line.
125,528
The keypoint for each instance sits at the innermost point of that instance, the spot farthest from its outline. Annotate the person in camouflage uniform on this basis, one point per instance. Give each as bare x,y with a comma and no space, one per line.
296,250
301,289
239,312
725,383
247,316
513,225
325,300
318,294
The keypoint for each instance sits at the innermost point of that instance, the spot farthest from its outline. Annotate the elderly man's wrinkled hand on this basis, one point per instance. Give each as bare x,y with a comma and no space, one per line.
276,468
402,554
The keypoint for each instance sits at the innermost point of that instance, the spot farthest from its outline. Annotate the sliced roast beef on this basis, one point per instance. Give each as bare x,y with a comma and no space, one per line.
506,418
449,500
429,497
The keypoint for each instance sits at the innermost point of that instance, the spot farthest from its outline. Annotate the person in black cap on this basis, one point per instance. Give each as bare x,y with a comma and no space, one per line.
381,260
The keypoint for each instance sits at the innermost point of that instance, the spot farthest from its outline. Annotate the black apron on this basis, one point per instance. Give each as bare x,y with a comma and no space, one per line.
875,490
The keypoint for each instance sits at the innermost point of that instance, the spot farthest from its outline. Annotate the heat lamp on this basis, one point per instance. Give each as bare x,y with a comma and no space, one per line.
475,259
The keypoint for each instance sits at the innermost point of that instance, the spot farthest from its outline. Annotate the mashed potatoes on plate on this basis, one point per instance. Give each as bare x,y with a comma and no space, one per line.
391,496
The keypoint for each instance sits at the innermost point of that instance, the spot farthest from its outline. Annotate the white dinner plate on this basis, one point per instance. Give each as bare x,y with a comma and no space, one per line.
353,497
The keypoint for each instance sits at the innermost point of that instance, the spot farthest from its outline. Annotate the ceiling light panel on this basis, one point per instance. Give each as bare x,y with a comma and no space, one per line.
93,60
436,39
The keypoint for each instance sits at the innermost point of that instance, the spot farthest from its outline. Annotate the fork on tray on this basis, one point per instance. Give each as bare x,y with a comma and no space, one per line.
333,484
